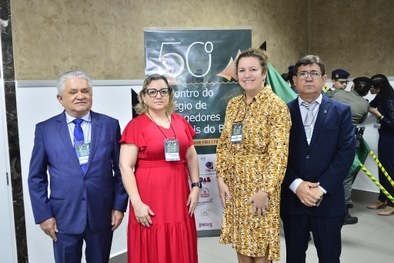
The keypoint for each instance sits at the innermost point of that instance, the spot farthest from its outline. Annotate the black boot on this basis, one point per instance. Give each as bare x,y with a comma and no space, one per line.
350,220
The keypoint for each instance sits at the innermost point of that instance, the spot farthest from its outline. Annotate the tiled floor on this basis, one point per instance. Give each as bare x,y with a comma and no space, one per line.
371,240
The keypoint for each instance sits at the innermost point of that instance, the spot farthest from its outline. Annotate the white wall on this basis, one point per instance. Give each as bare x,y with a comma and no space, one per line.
36,101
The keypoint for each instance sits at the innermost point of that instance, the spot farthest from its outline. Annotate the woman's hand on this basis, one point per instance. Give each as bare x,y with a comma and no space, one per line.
224,191
260,203
143,214
192,200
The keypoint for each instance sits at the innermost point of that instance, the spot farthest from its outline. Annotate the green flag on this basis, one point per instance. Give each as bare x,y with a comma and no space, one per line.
362,152
279,85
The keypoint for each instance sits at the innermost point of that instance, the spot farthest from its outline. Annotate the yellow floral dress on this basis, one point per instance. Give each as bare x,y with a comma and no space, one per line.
257,163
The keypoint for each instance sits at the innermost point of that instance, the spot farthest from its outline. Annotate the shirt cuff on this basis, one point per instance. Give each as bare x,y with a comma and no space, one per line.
294,185
323,190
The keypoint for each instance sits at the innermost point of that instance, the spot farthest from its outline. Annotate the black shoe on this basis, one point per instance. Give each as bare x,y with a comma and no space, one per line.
349,206
350,220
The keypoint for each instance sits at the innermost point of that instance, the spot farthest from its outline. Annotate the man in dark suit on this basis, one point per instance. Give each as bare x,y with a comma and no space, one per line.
321,151
86,199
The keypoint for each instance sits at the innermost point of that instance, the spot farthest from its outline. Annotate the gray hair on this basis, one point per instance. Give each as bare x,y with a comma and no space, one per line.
68,75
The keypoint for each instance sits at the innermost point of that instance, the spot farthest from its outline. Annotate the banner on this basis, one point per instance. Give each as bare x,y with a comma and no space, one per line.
199,65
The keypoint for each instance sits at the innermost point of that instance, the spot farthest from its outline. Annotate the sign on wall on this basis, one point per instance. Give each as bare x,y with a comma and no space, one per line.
199,65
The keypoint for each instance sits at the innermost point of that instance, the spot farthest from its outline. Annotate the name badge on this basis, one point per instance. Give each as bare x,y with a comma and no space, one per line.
236,132
171,150
82,150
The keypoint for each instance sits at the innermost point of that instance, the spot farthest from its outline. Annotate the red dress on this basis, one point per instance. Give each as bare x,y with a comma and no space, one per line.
164,187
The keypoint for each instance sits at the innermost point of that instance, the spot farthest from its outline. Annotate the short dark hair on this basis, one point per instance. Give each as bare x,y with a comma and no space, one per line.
309,60
362,88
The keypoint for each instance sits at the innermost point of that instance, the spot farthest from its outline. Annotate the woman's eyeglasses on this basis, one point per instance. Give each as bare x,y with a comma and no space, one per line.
153,92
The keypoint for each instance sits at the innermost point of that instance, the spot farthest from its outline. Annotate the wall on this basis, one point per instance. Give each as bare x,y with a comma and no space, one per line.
355,35
105,38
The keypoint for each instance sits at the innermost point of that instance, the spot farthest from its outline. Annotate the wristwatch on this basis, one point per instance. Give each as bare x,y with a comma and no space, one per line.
197,184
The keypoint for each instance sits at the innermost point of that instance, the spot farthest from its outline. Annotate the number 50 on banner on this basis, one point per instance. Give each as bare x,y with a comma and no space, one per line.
174,63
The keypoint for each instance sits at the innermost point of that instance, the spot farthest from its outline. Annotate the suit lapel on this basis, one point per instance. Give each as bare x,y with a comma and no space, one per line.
298,125
96,131
321,116
62,127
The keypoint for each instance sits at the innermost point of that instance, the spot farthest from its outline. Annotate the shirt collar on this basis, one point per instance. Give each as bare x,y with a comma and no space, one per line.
318,100
70,118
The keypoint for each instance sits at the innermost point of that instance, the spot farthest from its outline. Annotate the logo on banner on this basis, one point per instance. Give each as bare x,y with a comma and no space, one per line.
205,214
209,167
204,193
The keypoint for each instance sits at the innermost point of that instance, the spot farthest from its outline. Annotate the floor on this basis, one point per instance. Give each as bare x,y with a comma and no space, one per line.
370,240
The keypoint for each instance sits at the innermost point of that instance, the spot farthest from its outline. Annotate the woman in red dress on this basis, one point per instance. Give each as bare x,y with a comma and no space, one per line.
157,157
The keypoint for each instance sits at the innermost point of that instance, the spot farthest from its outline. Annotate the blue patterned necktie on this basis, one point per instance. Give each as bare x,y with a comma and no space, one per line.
78,136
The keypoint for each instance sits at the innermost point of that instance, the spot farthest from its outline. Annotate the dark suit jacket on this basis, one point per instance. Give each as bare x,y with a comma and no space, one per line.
327,159
75,197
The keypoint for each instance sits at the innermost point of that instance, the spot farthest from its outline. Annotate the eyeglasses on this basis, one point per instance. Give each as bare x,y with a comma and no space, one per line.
153,92
312,74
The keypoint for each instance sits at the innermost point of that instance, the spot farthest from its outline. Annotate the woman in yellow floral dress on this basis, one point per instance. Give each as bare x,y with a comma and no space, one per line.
251,163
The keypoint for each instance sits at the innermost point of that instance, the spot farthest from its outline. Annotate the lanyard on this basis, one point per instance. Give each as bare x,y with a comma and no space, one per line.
160,128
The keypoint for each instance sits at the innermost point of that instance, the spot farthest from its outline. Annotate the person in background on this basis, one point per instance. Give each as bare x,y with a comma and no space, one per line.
339,80
382,106
288,77
251,162
80,150
359,108
157,157
321,152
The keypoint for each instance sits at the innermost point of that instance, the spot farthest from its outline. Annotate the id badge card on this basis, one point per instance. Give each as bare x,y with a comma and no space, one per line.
236,132
82,150
171,150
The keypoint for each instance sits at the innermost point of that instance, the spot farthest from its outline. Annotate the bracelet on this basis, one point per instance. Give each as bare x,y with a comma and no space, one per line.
381,117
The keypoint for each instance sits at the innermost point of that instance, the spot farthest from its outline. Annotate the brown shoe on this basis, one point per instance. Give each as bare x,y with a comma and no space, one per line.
388,211
377,205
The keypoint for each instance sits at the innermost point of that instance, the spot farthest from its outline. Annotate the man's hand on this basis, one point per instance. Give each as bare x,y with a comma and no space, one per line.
309,193
117,217
49,227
